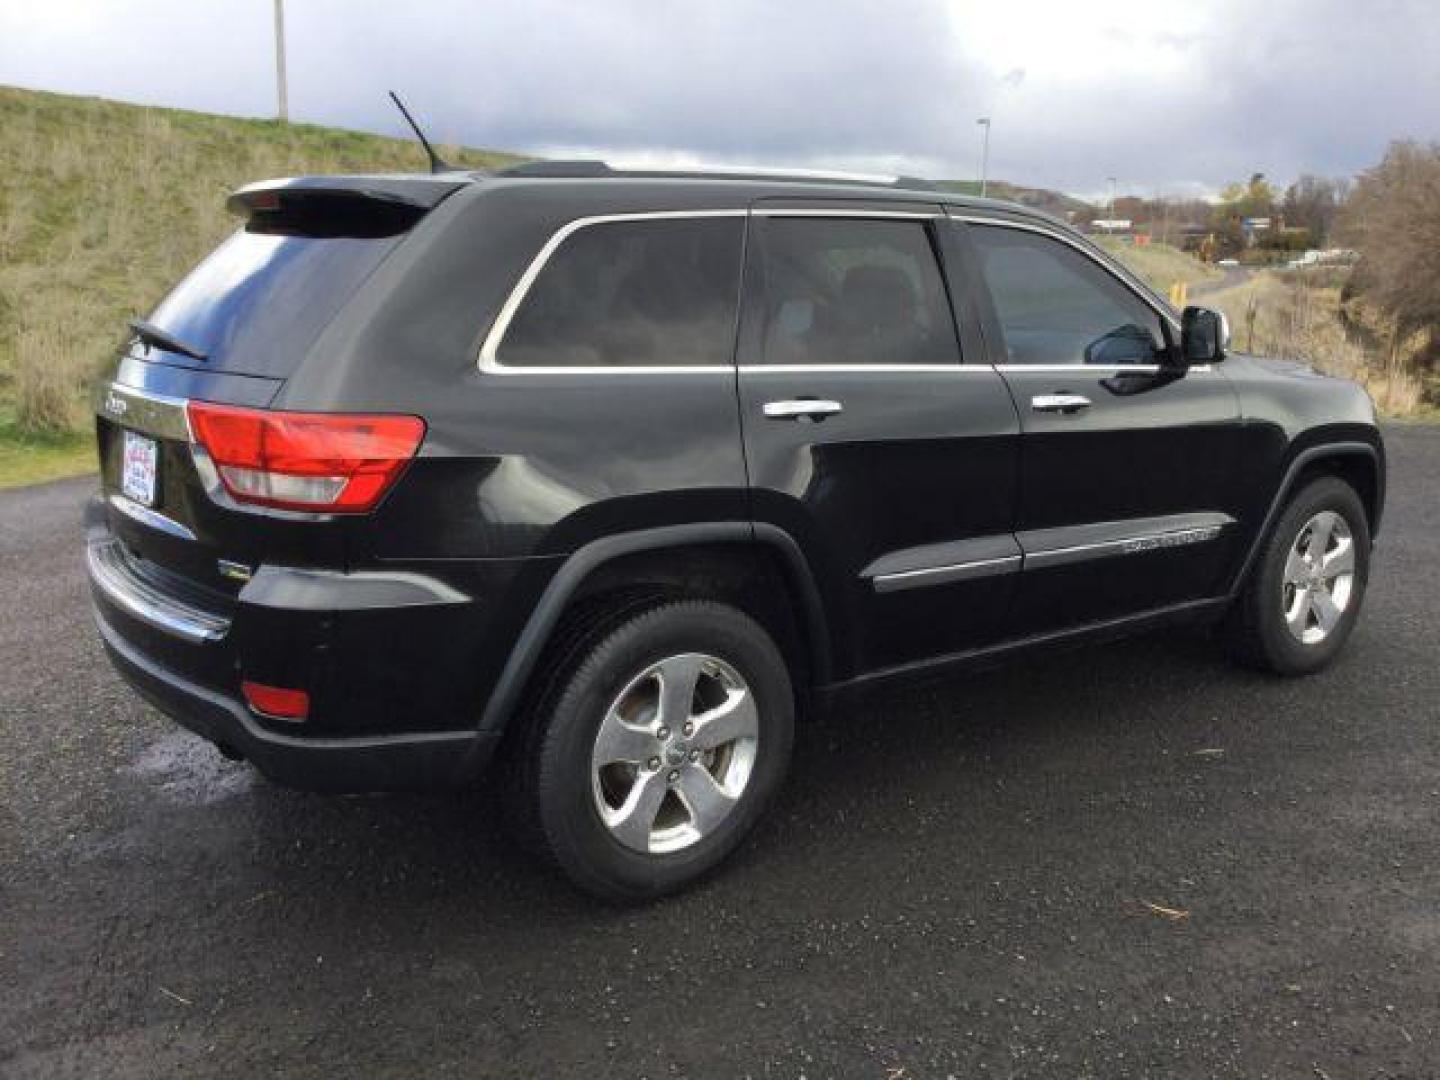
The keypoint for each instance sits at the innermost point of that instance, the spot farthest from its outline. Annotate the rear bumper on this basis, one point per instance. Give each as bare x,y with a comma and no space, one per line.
376,763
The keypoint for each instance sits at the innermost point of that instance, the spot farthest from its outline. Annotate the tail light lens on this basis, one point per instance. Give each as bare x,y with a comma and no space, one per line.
329,462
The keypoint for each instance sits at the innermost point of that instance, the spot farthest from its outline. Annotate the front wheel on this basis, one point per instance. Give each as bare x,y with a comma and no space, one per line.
1303,598
657,750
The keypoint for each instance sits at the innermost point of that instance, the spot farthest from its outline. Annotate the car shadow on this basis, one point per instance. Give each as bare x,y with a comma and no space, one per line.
929,753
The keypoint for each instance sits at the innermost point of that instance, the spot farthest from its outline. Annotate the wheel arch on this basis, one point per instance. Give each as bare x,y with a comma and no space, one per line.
713,559
1358,463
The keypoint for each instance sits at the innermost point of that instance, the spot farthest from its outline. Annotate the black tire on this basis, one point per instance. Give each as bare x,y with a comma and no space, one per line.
1255,630
551,794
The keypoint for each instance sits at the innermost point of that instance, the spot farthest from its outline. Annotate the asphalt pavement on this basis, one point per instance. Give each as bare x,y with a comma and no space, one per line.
1128,861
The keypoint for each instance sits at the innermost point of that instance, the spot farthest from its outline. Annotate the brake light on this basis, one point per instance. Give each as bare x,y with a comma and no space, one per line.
331,462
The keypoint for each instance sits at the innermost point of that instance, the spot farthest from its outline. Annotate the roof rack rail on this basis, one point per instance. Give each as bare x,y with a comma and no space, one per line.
588,168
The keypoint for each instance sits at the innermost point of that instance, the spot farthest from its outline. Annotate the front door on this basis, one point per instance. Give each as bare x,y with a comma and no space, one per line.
875,433
1127,459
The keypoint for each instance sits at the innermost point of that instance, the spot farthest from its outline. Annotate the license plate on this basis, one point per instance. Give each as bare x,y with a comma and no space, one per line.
137,468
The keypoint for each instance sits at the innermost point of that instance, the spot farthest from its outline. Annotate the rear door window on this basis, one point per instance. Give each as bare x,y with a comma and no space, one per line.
854,291
656,292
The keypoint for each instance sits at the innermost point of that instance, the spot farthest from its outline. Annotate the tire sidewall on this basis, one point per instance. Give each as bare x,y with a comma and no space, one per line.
571,823
1284,652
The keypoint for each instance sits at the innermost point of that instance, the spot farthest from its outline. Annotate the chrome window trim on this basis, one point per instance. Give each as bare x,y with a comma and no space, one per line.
1128,280
490,365
835,369
1099,369
842,212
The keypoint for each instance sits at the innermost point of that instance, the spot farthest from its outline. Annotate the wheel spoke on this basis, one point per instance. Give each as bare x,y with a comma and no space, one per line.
1298,614
1327,613
1295,568
704,798
1320,530
633,822
678,676
1341,560
619,741
735,718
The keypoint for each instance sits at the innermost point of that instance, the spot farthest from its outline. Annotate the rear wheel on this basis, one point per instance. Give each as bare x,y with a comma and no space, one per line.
1304,596
657,749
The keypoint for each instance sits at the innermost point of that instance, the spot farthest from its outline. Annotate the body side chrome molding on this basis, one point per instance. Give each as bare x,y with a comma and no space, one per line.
989,556
944,563
1045,548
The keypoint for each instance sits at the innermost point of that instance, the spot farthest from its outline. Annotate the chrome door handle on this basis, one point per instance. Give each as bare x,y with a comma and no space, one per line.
802,409
1061,403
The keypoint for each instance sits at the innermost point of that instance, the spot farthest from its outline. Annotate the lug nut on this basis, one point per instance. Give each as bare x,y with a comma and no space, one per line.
654,764
694,755
689,729
664,733
674,775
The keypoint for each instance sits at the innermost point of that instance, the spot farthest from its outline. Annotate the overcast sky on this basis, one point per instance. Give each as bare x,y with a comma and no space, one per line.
1168,96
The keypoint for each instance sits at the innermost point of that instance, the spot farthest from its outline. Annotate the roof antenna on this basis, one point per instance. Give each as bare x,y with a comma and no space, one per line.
437,163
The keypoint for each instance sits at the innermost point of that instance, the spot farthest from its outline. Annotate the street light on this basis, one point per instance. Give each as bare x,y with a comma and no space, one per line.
984,122
1111,214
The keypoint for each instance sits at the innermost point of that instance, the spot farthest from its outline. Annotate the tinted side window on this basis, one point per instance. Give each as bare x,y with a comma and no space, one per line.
1056,306
854,291
633,294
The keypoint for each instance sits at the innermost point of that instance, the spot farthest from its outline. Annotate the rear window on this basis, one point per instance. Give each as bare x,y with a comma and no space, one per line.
633,294
258,301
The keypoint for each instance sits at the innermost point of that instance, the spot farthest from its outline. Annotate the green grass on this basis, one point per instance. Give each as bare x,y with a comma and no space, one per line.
103,207
33,459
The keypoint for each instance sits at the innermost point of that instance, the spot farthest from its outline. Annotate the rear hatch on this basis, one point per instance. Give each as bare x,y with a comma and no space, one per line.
231,333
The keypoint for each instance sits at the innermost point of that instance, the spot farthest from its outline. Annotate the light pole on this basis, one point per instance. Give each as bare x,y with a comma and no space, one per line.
1111,214
984,122
280,59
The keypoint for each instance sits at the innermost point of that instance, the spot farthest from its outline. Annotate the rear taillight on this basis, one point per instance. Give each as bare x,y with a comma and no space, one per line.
330,462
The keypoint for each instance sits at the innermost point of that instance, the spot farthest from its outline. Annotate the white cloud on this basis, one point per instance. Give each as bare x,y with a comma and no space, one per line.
1163,94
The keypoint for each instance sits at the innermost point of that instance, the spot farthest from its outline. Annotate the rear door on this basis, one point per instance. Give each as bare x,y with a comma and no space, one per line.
875,433
1126,463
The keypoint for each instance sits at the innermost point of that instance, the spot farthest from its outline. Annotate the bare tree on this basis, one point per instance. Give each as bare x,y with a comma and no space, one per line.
1393,218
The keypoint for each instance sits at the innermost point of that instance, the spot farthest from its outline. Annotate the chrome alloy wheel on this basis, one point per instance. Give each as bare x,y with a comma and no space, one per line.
1319,578
674,753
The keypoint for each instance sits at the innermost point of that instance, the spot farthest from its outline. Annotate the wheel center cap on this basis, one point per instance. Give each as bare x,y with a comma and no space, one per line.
675,754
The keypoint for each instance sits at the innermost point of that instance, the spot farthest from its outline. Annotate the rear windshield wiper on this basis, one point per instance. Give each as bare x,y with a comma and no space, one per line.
151,334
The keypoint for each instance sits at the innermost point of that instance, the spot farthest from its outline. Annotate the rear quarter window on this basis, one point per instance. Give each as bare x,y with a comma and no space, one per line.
643,293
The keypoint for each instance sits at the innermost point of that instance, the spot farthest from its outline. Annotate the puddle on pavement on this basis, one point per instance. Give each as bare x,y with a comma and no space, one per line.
187,769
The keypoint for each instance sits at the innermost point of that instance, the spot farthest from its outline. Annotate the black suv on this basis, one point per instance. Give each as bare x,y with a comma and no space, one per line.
609,475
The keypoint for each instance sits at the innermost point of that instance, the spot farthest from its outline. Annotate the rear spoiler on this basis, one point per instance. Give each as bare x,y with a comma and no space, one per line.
416,193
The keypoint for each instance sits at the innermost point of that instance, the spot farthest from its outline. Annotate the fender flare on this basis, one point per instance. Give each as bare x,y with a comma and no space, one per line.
1292,474
545,616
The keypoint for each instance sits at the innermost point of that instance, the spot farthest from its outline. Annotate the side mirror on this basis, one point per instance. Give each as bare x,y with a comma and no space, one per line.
1204,336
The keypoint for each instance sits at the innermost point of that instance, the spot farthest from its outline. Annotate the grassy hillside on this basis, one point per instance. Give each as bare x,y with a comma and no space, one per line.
103,206
1160,265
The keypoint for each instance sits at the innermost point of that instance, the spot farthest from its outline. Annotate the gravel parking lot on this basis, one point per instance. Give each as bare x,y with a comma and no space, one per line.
1127,861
